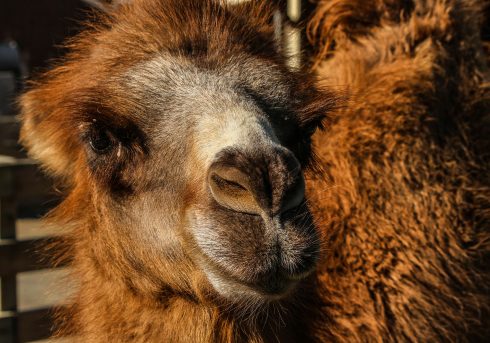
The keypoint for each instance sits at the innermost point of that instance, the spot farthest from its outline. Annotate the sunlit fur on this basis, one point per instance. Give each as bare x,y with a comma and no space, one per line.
396,179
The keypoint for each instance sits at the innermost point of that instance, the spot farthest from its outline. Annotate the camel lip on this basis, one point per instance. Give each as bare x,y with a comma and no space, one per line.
276,290
266,289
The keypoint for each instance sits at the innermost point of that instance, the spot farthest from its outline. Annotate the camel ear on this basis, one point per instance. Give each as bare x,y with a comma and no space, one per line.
106,5
48,137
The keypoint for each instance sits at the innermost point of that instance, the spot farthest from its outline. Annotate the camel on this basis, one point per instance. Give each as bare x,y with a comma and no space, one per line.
214,194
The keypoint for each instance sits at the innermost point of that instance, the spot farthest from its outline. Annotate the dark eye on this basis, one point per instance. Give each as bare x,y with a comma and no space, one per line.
100,140
313,126
310,130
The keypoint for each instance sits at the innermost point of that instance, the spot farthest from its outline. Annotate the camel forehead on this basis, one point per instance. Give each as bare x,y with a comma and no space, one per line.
179,97
172,95
176,97
168,80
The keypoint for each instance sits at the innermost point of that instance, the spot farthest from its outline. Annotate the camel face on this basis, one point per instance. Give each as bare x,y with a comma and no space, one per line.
183,148
191,155
195,158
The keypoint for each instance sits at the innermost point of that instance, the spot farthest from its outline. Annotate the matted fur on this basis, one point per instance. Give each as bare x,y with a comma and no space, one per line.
399,189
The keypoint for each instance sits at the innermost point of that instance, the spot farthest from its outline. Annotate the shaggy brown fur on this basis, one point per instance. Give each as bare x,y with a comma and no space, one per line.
405,198
399,189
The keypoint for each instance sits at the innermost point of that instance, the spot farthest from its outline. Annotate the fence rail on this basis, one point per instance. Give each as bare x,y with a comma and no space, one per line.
26,326
24,256
9,128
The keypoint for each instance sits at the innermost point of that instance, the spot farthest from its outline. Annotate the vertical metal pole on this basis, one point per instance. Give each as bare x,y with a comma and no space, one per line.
294,10
278,22
293,35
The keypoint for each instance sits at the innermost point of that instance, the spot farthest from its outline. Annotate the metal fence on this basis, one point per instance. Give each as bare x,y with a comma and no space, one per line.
22,187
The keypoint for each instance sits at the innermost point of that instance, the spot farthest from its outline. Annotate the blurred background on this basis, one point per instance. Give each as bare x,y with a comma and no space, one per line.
31,33
31,36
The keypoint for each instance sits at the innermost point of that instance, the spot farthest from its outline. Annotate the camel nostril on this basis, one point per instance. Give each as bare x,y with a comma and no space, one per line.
288,182
231,189
268,183
225,184
295,195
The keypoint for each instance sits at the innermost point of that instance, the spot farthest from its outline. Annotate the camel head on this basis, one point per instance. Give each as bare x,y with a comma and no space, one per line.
183,139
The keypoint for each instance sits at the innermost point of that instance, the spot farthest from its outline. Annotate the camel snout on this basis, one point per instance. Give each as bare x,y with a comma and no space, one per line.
267,183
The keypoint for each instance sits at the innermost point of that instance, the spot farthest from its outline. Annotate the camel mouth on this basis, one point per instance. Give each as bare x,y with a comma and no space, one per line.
278,287
274,288
252,256
274,291
274,282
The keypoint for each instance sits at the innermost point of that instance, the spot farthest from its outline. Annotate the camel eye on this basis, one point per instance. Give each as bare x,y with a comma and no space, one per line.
311,128
100,141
